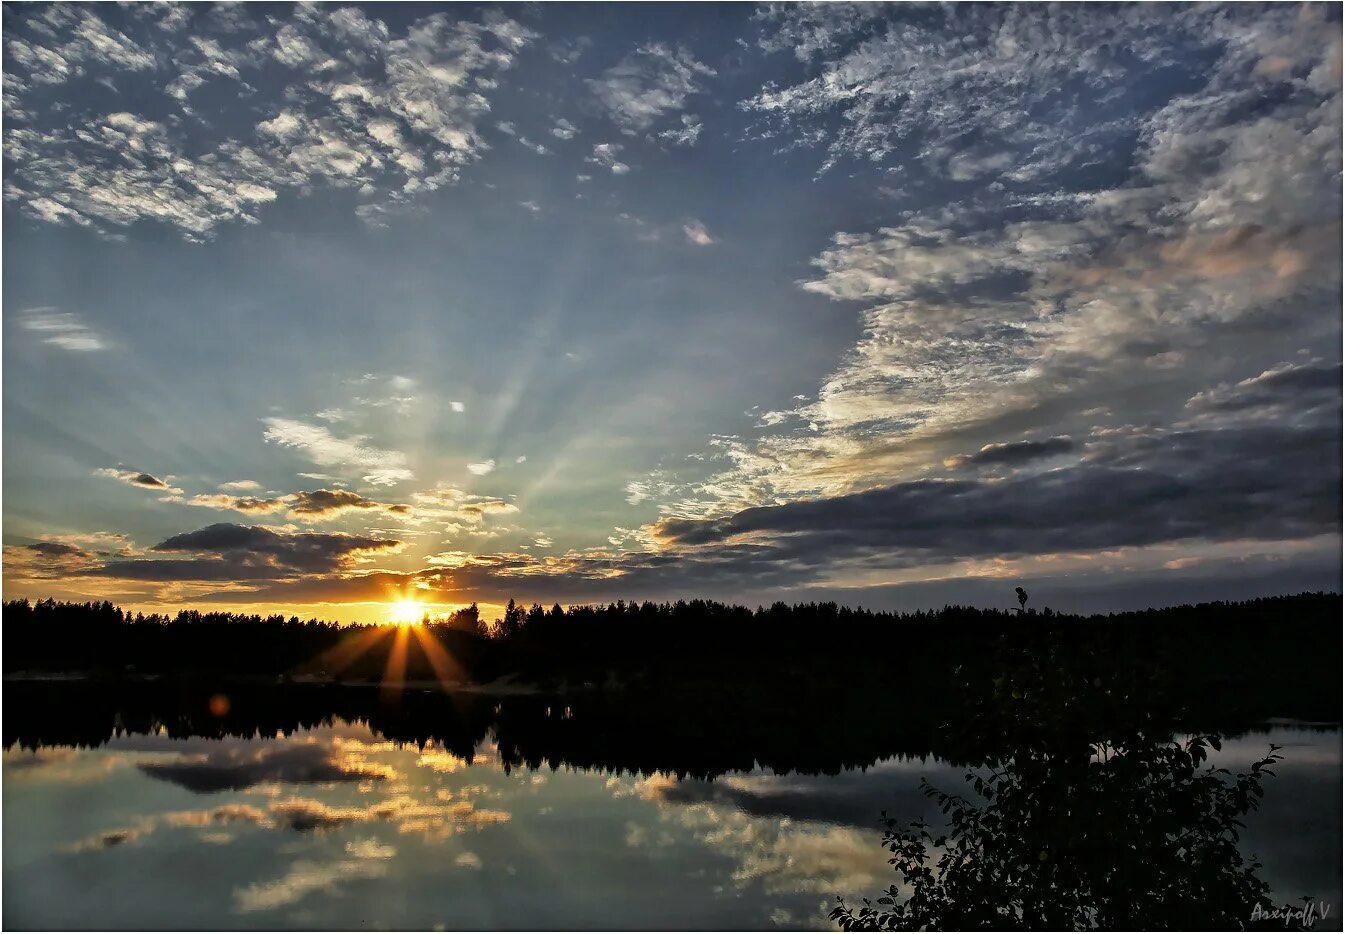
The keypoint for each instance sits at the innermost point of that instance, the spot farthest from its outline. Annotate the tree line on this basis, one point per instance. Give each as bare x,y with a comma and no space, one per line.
1256,648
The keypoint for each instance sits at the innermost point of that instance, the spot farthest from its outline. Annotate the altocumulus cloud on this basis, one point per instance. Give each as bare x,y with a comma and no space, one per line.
652,80
366,108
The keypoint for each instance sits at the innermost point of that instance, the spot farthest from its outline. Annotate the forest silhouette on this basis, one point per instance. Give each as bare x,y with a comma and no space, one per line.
692,688
1248,654
1088,802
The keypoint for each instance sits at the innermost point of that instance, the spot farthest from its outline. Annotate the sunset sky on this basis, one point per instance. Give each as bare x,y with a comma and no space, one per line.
321,308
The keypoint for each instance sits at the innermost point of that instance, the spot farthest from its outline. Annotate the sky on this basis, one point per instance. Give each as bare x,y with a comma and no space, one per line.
312,309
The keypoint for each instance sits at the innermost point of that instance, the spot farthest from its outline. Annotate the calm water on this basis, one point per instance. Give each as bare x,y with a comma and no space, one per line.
333,827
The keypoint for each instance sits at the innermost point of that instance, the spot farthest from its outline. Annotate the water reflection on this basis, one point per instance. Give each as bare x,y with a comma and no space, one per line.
333,822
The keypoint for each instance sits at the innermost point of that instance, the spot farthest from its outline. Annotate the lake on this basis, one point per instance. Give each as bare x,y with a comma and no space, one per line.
333,825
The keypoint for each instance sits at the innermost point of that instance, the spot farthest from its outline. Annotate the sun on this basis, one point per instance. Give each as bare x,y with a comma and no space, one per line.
407,612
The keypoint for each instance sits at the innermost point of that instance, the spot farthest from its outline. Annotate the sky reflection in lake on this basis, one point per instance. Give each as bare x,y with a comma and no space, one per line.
333,828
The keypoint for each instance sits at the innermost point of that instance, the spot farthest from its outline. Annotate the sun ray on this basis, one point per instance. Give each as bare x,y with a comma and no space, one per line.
446,670
394,675
344,654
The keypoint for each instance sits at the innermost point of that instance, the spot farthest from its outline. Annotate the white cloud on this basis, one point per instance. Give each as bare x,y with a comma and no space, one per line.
695,232
376,465
564,129
1222,230
303,879
389,115
482,468
687,134
882,81
457,406
604,154
458,510
241,486
652,80
61,329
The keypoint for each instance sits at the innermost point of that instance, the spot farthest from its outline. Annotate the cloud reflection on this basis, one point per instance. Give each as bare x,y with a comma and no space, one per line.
234,769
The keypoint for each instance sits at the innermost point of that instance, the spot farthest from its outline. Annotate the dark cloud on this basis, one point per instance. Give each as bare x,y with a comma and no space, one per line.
136,478
57,551
855,798
1132,488
1304,392
226,551
324,503
238,768
1138,488
1013,452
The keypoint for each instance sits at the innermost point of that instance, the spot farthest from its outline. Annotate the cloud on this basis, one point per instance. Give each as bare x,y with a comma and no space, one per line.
324,504
396,394
564,129
696,233
656,486
1287,393
482,468
61,329
225,551
234,769
137,478
457,406
686,135
649,82
883,80
224,814
432,818
1053,291
604,154
240,486
1135,488
109,838
370,848
456,509
57,550
305,878
389,114
48,561
1011,453
378,466
245,504
305,506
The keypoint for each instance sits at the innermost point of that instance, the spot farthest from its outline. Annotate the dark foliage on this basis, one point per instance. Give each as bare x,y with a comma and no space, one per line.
1271,657
1088,814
